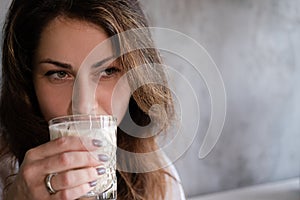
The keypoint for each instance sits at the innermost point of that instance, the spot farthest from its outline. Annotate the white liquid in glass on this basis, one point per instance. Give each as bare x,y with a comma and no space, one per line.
106,187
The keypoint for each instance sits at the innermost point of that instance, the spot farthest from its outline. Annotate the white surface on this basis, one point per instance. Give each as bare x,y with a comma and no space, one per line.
283,190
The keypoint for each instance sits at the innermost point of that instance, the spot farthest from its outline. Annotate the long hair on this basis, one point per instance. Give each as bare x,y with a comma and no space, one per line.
22,124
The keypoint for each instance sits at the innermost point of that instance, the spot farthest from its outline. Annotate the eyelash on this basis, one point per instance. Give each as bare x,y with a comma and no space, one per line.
56,72
110,71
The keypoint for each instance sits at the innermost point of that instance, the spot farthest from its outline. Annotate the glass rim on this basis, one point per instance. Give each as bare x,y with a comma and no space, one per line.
70,118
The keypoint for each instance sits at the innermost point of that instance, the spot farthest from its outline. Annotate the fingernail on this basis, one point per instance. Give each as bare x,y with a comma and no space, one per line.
97,143
93,183
103,157
100,170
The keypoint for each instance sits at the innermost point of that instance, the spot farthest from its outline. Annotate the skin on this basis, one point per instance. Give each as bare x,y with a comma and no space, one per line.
63,47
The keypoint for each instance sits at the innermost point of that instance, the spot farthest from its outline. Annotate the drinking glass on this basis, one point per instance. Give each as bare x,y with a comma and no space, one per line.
100,127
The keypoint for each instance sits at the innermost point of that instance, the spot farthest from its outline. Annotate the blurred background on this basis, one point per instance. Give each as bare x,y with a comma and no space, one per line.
256,46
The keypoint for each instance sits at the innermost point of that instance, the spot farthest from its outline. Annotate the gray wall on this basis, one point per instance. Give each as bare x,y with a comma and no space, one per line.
255,44
4,4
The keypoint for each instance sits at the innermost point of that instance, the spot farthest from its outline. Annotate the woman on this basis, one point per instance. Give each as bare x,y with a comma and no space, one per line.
45,43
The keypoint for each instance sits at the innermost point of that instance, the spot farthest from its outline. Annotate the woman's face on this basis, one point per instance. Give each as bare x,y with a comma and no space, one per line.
62,50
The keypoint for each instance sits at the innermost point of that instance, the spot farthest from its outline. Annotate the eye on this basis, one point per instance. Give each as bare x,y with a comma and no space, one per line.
57,75
109,72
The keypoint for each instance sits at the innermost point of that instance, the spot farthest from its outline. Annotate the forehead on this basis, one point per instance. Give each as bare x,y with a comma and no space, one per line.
71,40
67,28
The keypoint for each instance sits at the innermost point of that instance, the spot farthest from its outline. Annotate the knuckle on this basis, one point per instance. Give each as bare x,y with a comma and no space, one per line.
91,160
26,173
83,189
92,173
66,180
64,159
62,141
30,154
93,156
64,195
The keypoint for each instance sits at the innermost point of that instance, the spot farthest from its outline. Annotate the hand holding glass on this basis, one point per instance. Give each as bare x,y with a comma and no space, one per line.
102,128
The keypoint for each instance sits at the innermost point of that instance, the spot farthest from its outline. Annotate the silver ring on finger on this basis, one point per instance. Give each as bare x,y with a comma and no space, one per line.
48,183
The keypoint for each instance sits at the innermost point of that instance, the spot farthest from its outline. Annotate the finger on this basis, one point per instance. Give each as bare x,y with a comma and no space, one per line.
71,160
73,193
73,178
63,144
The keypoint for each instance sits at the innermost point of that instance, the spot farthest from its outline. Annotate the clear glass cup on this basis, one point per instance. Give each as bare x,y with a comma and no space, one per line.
100,127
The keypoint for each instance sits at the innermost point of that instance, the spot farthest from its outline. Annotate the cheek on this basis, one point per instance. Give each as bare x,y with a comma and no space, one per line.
120,102
53,102
114,101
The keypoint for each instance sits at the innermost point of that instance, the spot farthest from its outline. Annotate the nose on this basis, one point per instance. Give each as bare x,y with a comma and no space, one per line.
84,97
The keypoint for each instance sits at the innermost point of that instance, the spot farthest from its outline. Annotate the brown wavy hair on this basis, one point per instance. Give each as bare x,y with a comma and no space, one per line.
22,124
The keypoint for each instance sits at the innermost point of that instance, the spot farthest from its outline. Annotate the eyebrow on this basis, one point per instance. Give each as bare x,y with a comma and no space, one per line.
57,63
98,64
69,66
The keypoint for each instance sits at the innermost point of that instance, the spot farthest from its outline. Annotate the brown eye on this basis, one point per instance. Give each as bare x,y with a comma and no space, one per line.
110,71
61,74
58,76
